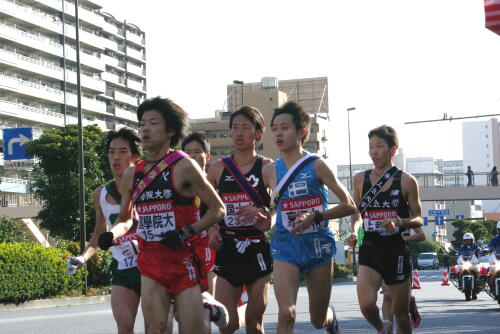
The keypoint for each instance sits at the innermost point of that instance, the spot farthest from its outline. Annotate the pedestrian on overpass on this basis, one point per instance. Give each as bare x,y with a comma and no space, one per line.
388,204
494,176
470,177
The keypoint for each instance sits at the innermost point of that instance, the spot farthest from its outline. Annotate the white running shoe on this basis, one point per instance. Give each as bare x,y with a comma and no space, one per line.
334,327
218,312
387,327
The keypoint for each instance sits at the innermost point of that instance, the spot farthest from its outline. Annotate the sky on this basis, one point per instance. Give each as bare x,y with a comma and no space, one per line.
393,60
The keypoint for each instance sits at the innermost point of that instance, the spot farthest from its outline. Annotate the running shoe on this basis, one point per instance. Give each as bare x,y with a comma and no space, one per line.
387,329
414,315
333,328
218,312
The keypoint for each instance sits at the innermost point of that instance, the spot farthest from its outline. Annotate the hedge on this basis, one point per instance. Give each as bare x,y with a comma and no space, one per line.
99,272
30,271
13,230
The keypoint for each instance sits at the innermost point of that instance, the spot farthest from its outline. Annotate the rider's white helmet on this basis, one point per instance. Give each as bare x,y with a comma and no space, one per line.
469,236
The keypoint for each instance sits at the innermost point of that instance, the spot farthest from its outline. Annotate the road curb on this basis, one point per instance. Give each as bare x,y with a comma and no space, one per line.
60,302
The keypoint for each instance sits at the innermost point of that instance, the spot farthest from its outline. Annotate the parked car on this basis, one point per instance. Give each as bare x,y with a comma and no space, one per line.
428,261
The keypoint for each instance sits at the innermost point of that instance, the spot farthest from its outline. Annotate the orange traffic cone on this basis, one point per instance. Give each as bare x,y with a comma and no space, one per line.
415,281
445,278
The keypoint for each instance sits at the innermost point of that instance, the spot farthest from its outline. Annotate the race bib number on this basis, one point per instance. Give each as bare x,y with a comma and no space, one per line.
155,219
373,219
233,202
308,204
126,254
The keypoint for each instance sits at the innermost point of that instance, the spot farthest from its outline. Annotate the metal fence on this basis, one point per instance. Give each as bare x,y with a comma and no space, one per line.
19,200
483,179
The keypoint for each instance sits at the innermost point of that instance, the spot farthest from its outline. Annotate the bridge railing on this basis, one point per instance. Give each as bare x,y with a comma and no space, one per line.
19,200
482,179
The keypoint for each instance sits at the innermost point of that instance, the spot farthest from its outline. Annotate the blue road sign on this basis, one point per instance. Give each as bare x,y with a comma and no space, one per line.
426,221
459,217
439,220
443,212
14,142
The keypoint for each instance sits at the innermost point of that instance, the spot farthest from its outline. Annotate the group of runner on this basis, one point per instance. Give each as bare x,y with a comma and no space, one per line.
179,236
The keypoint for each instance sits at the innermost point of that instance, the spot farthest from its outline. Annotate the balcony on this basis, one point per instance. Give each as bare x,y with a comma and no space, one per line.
125,98
125,114
49,22
133,53
48,93
84,15
134,38
110,44
34,41
137,70
47,45
86,37
44,116
112,29
113,78
136,85
49,69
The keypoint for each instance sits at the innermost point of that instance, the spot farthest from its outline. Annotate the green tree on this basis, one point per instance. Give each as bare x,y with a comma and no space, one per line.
56,177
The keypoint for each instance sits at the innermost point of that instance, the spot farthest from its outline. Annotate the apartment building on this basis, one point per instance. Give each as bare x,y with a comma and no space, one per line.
311,93
38,68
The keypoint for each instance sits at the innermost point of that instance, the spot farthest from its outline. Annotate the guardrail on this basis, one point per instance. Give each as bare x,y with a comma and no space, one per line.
19,200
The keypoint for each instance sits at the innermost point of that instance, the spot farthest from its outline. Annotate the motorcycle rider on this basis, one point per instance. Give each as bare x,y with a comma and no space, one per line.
469,245
495,242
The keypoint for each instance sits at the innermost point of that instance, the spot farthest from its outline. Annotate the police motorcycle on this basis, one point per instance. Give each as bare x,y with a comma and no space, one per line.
493,277
464,275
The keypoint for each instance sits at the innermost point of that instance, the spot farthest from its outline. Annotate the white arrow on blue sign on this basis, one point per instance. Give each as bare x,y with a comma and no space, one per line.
14,142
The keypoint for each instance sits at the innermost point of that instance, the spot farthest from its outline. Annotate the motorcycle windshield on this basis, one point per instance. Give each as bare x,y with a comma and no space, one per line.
467,254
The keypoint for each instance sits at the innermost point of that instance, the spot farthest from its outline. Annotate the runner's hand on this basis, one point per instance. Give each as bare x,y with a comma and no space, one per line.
246,214
215,240
74,263
105,240
389,224
352,240
301,222
175,239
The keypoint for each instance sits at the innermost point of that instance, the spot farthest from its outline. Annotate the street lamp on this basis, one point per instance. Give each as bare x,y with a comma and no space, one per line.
350,177
239,82
349,139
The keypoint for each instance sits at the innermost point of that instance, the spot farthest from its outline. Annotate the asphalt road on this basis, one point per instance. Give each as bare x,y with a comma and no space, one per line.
443,310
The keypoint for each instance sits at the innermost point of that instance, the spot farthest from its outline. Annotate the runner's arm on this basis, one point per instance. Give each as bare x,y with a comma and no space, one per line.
328,178
346,207
100,226
202,187
124,221
356,218
419,235
410,188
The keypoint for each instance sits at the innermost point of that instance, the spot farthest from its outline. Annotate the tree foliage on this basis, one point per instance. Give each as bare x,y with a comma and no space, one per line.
56,177
482,230
13,230
426,246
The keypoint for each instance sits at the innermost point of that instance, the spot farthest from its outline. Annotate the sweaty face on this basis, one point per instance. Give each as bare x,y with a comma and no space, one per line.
243,133
120,156
195,151
152,129
380,153
285,134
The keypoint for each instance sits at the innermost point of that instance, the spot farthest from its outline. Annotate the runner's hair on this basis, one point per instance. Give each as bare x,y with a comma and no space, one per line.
197,137
300,117
387,133
127,134
176,119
